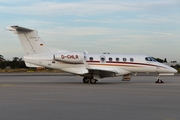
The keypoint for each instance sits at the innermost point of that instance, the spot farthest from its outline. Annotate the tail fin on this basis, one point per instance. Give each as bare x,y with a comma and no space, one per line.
30,40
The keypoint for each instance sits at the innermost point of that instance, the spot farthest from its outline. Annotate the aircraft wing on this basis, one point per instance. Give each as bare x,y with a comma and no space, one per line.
101,72
107,72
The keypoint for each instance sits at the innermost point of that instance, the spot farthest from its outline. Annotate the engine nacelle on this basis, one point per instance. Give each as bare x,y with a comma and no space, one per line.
70,57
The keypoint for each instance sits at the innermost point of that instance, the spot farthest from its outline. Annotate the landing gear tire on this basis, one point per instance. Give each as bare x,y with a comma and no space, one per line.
93,81
86,80
159,80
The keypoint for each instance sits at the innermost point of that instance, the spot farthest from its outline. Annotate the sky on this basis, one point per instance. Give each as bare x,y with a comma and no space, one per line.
148,27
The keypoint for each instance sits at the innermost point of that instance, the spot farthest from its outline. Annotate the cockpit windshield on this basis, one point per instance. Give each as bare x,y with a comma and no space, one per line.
150,59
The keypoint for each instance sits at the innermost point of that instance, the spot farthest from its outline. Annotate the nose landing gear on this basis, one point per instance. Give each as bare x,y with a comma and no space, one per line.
159,79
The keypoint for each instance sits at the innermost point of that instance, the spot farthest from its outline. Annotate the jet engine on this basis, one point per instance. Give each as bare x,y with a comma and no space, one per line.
70,57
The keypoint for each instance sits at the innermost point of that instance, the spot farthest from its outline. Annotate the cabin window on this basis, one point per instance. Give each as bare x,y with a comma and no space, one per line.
102,59
110,59
117,59
91,58
124,59
131,59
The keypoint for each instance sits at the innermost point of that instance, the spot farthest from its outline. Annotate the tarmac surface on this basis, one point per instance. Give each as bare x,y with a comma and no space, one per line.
44,96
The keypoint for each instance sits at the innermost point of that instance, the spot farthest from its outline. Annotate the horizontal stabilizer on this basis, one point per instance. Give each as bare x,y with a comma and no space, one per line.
19,29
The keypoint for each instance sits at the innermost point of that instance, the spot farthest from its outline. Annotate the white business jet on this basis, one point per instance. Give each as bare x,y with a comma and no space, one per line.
92,67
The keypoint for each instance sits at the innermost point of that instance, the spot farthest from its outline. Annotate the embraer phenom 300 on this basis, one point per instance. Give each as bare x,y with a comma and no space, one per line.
92,67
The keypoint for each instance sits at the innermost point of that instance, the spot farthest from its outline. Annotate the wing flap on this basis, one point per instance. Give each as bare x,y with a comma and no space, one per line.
107,72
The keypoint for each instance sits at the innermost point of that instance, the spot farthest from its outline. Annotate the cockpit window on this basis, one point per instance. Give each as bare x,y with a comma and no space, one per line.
153,59
150,59
147,59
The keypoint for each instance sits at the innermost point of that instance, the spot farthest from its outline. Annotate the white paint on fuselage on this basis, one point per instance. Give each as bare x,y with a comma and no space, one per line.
122,67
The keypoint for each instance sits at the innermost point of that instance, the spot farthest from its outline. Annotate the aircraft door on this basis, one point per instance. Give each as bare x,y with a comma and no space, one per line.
102,59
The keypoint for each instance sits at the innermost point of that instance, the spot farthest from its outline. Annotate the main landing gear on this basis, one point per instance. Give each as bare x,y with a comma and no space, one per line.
88,79
159,79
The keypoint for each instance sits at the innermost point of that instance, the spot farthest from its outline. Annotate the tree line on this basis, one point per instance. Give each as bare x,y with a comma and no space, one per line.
14,63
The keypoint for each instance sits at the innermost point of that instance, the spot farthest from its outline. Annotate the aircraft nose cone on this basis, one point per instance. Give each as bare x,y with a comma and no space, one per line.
173,70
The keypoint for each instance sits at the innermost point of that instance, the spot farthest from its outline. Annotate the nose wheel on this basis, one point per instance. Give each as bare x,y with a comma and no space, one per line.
159,80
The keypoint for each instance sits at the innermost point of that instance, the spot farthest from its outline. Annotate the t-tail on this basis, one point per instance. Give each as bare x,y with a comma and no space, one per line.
31,42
